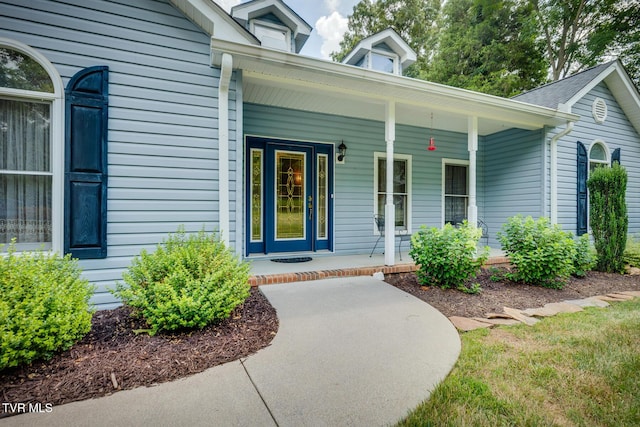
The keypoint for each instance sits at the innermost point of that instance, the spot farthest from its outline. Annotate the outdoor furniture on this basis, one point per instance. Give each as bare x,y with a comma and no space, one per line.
481,225
404,237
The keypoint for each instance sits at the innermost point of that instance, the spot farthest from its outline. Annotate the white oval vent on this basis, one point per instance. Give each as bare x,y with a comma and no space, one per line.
599,110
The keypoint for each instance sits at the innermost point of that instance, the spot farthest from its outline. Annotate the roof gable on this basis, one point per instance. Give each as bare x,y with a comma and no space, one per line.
563,94
270,9
388,39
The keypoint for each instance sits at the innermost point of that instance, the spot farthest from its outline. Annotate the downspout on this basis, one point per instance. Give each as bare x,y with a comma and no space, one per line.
226,66
554,169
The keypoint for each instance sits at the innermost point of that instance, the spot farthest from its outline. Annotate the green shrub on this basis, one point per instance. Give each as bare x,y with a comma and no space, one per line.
446,257
44,306
541,253
632,252
608,216
189,281
585,257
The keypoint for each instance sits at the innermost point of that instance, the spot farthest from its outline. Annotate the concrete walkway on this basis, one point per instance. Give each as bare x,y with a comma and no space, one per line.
349,352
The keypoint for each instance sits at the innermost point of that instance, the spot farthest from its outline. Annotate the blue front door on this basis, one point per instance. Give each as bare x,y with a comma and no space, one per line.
290,199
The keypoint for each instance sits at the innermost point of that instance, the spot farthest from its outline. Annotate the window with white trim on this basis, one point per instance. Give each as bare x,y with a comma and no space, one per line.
401,188
27,163
272,36
455,185
598,155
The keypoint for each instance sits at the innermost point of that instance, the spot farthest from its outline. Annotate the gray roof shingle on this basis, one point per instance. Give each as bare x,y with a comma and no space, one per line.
561,91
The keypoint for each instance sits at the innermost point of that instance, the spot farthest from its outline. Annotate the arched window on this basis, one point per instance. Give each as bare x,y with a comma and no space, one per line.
30,149
598,155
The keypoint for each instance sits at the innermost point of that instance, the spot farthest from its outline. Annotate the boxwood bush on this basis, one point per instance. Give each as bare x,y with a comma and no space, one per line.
44,305
447,257
541,253
189,281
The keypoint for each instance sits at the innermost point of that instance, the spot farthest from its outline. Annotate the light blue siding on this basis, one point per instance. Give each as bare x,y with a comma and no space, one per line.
163,110
615,132
354,184
513,177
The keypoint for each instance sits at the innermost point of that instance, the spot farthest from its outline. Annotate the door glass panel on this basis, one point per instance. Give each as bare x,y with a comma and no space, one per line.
256,195
323,198
290,195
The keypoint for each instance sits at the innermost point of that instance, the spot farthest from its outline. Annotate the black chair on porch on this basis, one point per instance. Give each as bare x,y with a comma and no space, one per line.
481,225
379,221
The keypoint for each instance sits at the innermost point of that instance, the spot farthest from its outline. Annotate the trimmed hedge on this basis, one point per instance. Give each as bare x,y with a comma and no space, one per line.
189,281
44,306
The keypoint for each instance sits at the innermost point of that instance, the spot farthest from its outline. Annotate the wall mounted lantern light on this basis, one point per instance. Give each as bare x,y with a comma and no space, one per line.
343,151
432,140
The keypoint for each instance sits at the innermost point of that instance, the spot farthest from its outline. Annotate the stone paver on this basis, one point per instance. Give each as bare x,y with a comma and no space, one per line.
466,324
518,315
588,302
512,316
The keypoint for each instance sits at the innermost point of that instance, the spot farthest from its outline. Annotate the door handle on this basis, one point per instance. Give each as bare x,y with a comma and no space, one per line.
310,206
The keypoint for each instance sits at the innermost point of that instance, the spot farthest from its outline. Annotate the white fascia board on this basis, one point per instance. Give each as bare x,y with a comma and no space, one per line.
407,55
379,86
214,21
593,83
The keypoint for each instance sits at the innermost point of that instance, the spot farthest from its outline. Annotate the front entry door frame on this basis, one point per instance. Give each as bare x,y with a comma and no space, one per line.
267,190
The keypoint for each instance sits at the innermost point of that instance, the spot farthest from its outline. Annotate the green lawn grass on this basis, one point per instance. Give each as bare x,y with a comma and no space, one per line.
580,369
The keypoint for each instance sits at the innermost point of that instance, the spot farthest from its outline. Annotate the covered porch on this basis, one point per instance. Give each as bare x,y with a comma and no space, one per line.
381,118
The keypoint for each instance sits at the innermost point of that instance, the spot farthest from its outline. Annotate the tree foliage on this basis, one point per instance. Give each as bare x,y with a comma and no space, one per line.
413,20
487,46
581,33
503,47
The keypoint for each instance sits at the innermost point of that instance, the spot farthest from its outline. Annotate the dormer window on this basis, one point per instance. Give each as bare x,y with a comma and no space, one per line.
380,61
384,62
272,36
384,51
273,23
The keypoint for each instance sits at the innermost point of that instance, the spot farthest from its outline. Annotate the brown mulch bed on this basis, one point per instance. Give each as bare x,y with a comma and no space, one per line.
112,353
496,295
112,349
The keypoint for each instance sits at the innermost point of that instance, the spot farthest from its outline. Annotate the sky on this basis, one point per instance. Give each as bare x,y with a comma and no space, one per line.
327,17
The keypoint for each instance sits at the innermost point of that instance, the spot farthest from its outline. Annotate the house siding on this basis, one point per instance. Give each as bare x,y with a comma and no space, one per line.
615,132
513,177
163,158
354,186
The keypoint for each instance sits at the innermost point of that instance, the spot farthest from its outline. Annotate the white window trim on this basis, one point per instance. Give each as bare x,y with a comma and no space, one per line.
379,155
394,57
607,153
57,134
455,162
265,24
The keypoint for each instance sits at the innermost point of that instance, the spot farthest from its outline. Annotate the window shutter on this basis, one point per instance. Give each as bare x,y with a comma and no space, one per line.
86,109
615,156
583,170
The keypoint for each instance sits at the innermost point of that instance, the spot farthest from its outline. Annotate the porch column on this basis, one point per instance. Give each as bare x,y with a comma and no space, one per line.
389,208
472,133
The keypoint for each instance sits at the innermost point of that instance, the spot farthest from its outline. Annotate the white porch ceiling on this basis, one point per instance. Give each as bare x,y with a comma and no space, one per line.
292,81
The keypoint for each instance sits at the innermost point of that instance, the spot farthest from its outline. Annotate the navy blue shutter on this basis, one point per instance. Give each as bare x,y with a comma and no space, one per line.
615,157
583,171
85,198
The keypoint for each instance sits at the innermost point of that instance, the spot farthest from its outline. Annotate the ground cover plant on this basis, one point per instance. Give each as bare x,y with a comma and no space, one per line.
189,281
44,308
448,257
571,369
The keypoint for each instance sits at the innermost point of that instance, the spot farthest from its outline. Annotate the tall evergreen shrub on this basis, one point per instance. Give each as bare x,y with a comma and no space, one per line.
608,216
